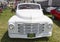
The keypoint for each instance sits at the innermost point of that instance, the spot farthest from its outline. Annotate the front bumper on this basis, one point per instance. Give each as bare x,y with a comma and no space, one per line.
15,35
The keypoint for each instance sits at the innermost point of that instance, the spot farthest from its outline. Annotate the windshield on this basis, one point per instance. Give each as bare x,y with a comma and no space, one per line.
28,6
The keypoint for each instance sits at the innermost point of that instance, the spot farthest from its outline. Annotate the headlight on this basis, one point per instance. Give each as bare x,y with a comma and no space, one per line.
11,26
49,25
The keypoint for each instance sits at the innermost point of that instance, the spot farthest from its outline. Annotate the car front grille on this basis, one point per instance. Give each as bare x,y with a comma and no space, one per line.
30,28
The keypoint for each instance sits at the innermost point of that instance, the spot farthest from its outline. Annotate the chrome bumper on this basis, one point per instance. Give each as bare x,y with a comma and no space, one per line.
15,35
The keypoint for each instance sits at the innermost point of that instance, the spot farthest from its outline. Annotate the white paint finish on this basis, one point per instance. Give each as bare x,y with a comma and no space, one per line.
44,34
29,13
40,19
29,16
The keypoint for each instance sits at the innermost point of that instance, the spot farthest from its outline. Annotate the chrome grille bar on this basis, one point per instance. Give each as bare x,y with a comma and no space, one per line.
30,28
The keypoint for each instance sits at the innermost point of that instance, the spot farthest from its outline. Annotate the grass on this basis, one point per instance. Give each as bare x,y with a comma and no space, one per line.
4,17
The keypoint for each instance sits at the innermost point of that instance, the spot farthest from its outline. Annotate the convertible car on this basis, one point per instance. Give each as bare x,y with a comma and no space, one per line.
29,22
56,13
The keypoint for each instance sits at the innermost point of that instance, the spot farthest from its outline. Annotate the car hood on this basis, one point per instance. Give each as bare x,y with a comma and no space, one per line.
29,13
43,19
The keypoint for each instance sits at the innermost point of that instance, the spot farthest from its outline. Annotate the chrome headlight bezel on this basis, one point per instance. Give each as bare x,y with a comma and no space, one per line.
11,26
49,26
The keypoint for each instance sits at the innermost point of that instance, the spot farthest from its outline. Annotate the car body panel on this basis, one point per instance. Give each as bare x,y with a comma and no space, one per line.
32,17
55,13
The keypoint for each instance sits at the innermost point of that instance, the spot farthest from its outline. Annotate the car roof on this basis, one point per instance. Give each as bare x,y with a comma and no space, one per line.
29,3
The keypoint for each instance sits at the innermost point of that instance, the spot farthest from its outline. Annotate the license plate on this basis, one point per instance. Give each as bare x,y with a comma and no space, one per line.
31,35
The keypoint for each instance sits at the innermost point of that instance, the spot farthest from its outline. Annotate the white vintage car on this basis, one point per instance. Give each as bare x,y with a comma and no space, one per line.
29,22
